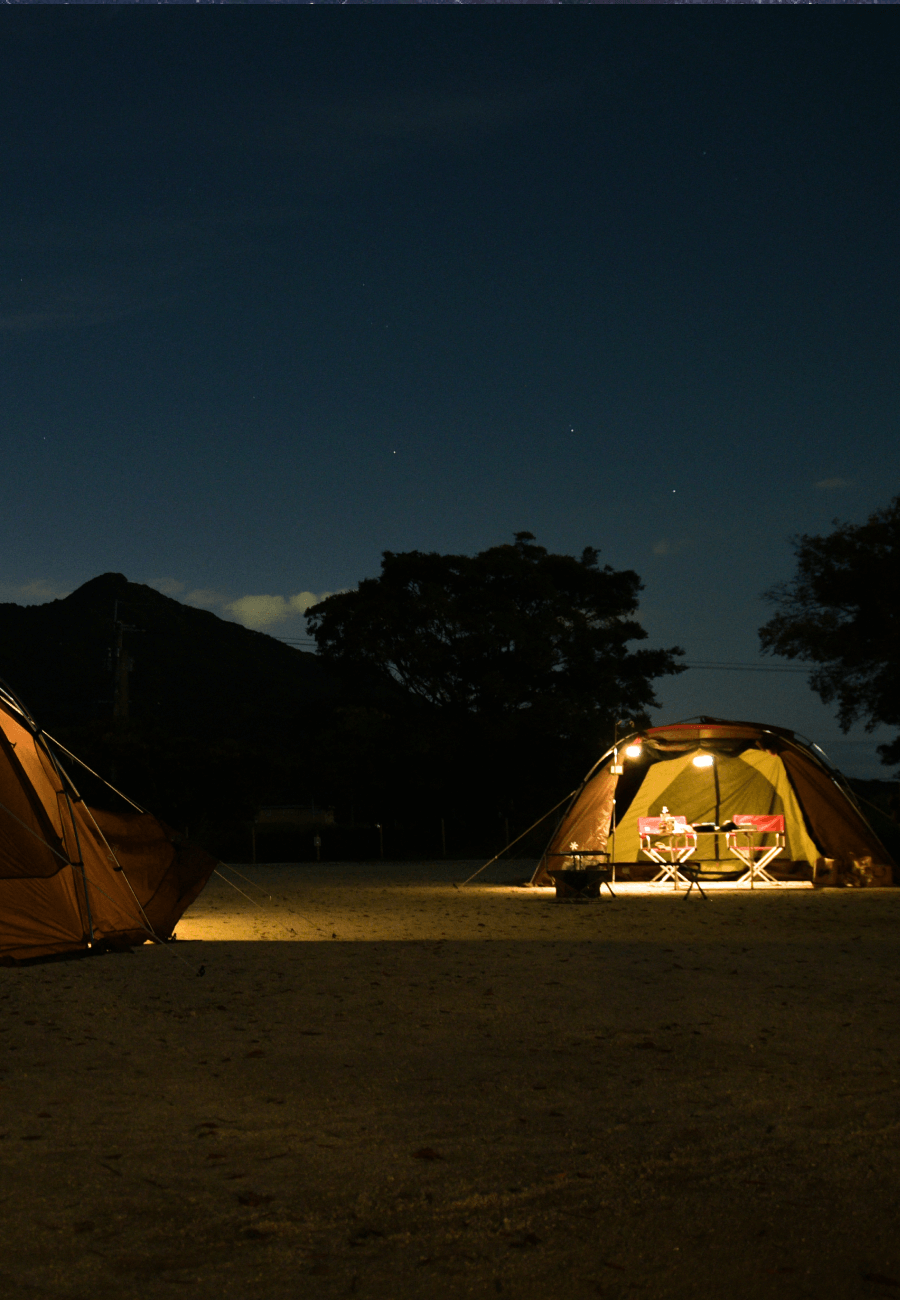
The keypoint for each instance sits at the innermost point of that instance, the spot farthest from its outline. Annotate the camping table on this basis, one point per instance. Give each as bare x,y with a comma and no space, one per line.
580,881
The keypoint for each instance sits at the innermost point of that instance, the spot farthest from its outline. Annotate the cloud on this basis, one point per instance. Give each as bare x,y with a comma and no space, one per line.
261,612
666,547
168,586
257,612
205,597
33,593
832,484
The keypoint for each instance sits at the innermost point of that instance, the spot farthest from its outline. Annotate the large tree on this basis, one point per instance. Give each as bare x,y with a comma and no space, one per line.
522,646
841,611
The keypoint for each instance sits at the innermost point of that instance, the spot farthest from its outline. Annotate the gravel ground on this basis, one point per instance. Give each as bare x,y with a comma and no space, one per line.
383,1085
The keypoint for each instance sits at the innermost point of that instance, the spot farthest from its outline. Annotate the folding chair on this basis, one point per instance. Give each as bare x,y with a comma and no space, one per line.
747,843
668,841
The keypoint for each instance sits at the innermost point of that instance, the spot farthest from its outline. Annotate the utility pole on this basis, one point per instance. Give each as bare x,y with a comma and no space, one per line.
122,664
616,770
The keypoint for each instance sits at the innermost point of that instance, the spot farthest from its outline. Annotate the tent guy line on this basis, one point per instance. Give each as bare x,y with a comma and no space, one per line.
543,817
75,759
254,904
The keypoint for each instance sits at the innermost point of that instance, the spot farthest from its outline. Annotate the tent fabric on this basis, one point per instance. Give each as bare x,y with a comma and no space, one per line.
165,882
586,823
754,782
832,821
756,769
73,877
30,838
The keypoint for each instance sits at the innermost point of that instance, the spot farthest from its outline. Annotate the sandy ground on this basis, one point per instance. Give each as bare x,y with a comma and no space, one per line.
382,1085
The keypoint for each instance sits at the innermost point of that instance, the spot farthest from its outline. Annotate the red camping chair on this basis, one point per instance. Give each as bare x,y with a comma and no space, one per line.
666,847
747,842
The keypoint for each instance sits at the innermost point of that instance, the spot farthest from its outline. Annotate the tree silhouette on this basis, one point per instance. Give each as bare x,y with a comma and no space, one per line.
515,646
841,611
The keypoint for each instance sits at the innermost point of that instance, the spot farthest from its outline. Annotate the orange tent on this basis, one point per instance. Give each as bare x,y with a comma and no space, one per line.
746,767
74,877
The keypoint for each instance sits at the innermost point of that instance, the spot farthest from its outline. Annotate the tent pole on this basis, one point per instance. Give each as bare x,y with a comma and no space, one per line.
14,699
612,822
80,863
84,880
63,773
715,769
616,771
64,778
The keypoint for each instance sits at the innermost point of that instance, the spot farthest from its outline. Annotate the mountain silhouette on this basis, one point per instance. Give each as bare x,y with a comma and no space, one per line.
220,719
191,669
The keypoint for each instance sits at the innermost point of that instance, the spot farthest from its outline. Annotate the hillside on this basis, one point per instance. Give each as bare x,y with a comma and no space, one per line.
192,670
220,718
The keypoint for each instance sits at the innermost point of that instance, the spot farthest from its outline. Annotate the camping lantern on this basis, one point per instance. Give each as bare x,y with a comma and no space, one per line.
632,751
703,760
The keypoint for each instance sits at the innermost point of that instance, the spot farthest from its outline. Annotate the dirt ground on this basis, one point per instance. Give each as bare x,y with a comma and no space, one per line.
376,1083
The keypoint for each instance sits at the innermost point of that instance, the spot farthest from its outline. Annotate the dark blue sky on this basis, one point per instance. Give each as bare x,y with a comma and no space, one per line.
284,287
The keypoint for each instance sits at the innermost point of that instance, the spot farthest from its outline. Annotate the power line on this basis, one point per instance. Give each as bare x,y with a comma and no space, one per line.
747,668
713,665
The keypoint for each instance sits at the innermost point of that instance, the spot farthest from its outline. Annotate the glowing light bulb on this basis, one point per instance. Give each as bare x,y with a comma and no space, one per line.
632,751
703,760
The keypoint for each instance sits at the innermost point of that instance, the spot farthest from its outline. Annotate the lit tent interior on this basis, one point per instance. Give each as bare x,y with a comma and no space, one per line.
755,769
74,877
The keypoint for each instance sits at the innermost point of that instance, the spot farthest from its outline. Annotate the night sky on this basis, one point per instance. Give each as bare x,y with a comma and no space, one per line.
284,288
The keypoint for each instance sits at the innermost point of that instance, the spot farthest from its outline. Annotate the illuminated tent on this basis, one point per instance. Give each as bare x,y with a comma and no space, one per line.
73,877
755,769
